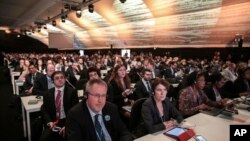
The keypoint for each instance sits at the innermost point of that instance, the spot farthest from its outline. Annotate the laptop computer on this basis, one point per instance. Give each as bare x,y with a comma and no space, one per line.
214,111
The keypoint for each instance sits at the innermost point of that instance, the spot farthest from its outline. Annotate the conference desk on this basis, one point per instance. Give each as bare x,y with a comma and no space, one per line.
18,83
210,127
13,75
29,108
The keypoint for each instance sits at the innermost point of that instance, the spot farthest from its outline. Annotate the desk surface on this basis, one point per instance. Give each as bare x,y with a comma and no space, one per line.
210,127
31,107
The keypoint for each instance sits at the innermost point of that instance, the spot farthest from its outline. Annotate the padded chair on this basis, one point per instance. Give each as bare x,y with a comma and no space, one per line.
135,117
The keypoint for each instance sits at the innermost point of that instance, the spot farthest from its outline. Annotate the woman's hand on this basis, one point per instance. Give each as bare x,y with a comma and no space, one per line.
127,92
203,107
169,124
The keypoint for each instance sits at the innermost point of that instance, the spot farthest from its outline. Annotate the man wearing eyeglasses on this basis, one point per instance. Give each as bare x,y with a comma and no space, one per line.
56,103
94,119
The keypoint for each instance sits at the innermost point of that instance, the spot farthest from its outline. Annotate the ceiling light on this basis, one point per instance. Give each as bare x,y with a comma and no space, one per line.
78,12
54,23
63,18
122,1
91,8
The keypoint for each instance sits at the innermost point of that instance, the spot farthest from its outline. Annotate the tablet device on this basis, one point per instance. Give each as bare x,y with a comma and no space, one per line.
175,132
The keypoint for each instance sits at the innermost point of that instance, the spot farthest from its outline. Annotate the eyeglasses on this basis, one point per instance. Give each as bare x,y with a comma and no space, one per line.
97,96
58,77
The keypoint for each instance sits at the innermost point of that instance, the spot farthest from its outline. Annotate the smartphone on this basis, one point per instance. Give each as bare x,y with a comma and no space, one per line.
56,129
200,138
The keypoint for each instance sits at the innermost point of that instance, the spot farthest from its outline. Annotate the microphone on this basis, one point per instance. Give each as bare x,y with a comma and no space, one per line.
70,84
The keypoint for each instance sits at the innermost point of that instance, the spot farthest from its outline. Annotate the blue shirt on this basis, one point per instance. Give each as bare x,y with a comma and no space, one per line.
100,119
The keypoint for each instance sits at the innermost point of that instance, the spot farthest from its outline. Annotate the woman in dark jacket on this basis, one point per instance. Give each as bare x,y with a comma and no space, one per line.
157,111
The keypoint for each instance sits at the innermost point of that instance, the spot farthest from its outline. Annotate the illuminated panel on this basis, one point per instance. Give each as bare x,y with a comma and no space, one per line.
160,23
38,36
52,28
68,26
139,24
95,19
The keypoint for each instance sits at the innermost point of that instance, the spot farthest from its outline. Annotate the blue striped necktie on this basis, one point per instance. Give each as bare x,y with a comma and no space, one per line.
98,128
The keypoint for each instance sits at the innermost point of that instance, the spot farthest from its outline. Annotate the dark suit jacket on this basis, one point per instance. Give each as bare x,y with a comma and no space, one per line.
40,85
151,120
117,94
72,79
157,73
240,86
28,84
80,127
211,94
48,108
141,90
168,73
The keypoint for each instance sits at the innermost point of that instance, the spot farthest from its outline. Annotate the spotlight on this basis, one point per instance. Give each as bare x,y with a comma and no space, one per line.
91,8
63,18
54,23
78,13
122,1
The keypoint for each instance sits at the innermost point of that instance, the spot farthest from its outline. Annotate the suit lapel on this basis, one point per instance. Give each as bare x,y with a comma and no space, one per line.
89,122
107,120
46,82
52,99
66,99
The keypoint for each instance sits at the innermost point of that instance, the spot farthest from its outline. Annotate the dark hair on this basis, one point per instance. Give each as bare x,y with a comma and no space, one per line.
244,71
215,77
192,77
145,70
93,69
55,73
158,81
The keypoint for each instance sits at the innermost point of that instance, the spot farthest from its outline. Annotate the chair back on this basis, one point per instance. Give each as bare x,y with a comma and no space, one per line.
135,117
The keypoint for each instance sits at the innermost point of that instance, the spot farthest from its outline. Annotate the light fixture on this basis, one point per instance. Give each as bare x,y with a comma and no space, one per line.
63,18
122,1
91,8
78,12
54,23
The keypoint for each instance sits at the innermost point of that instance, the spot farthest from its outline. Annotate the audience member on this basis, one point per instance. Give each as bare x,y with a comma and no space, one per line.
94,119
56,104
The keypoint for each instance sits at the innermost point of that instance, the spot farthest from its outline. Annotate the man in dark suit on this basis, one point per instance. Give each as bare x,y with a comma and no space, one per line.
30,79
170,72
56,104
150,64
143,87
94,119
43,83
